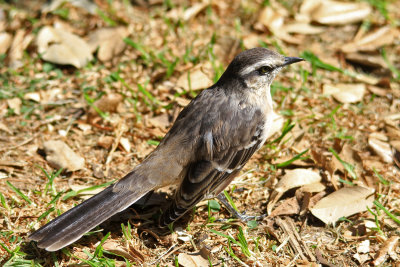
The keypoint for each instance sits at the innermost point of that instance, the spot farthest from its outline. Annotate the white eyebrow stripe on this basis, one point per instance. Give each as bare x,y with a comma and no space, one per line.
253,67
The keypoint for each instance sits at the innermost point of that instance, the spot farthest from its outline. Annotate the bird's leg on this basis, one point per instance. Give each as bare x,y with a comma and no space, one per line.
242,217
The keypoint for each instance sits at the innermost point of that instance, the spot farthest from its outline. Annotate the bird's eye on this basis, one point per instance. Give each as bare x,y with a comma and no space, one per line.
264,69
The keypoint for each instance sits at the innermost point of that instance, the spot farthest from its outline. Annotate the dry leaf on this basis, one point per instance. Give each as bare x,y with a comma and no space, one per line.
313,188
348,155
125,144
296,178
395,144
303,28
198,80
62,47
109,41
378,90
161,121
4,128
292,179
18,45
105,141
361,258
345,93
273,19
183,235
287,207
88,5
107,103
34,96
192,11
251,40
363,247
192,260
372,41
339,13
366,78
15,105
116,248
344,202
381,148
5,42
375,61
60,155
389,247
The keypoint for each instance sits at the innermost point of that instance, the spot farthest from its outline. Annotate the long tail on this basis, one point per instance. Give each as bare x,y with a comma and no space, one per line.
71,225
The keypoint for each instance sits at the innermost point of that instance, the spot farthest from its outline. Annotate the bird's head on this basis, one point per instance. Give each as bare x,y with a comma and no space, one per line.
256,68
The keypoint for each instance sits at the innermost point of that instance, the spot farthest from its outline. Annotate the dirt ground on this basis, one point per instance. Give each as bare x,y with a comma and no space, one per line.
106,79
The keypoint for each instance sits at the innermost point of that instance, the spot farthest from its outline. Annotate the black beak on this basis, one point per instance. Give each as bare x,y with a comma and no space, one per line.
291,60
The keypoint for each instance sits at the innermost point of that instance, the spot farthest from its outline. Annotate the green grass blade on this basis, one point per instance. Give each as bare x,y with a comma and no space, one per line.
290,161
19,193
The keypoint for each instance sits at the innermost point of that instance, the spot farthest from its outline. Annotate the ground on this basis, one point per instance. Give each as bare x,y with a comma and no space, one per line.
328,178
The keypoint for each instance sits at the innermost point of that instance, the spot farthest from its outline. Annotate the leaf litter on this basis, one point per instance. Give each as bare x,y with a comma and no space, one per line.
113,102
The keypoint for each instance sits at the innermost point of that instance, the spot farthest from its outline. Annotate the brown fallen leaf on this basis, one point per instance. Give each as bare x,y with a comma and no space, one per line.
289,206
195,9
194,79
292,179
4,128
60,155
89,6
372,41
124,142
192,260
363,246
62,47
161,121
296,178
369,60
107,103
303,28
251,40
345,93
15,105
337,13
313,188
5,42
105,141
19,43
379,91
116,248
109,41
273,19
349,155
388,248
34,96
344,202
381,148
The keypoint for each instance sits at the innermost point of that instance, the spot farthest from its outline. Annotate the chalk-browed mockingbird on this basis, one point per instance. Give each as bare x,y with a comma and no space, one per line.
209,143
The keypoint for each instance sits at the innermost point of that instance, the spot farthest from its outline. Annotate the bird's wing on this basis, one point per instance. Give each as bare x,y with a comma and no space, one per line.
227,136
71,225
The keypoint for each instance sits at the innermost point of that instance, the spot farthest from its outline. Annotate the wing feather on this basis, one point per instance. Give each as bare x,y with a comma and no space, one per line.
226,139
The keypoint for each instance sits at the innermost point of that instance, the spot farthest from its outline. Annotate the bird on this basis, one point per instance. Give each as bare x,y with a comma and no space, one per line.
208,144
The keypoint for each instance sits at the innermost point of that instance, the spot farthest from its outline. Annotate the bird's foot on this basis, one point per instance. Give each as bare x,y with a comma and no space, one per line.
240,216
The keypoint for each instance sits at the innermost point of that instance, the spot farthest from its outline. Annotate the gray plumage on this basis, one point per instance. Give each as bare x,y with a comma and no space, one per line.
209,143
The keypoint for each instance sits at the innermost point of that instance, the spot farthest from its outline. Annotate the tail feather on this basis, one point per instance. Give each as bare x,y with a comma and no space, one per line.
71,225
